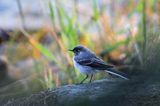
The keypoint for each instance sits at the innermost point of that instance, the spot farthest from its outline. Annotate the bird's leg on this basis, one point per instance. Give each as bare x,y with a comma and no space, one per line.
91,78
84,79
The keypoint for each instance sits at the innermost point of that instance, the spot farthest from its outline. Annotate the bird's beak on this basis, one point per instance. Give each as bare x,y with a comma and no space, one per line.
70,50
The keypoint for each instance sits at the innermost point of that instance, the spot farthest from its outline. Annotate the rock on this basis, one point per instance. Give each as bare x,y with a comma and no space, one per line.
98,93
4,78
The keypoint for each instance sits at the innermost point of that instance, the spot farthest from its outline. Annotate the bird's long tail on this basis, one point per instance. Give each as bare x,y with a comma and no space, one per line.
117,73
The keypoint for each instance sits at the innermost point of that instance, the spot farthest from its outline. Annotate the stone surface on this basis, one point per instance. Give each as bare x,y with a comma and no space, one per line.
98,93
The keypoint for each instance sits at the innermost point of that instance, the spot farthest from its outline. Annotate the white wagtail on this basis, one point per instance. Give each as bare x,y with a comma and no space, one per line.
88,63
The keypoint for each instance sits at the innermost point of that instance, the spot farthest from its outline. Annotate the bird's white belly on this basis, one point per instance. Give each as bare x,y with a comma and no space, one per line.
84,69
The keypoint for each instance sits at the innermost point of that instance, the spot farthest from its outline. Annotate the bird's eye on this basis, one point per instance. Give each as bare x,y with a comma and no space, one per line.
78,50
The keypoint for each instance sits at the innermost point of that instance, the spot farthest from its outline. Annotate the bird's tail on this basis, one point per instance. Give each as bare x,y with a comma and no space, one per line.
117,73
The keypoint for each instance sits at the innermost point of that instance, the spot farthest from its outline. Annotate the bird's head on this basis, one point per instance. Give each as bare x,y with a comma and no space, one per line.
78,49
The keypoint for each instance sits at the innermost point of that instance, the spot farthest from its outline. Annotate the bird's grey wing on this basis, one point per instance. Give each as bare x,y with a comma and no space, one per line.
95,63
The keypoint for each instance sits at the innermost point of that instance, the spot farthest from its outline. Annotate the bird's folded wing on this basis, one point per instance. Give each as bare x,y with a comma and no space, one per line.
95,63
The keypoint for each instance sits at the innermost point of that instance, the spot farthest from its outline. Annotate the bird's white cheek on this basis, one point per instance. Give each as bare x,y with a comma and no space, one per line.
75,65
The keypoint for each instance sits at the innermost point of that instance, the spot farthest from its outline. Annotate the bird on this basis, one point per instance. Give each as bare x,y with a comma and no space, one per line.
88,63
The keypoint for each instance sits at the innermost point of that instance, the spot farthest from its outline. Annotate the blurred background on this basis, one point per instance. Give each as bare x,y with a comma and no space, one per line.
35,36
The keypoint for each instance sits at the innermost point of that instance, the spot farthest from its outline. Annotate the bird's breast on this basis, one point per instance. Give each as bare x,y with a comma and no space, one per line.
83,69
